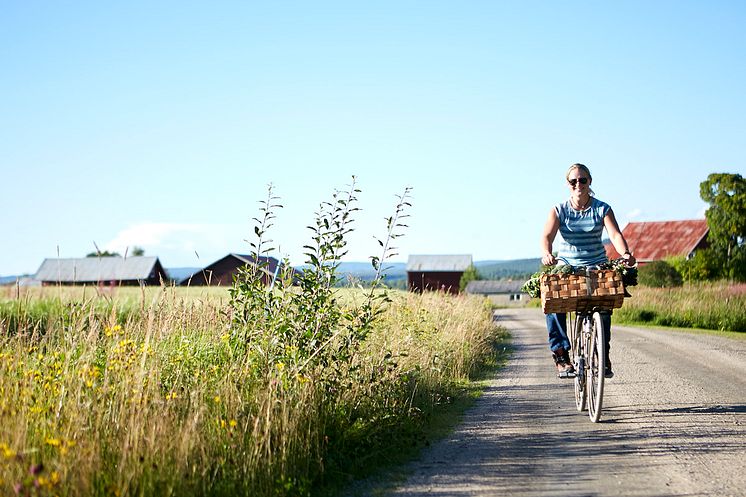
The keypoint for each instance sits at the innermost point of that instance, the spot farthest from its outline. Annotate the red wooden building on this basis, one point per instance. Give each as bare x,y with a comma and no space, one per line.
222,271
114,271
657,240
436,272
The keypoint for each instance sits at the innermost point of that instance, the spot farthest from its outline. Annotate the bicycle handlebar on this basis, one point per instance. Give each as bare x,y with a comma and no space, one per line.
595,266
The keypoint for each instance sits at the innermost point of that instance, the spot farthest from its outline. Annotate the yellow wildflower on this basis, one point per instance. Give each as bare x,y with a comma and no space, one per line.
8,453
54,442
232,423
112,330
301,378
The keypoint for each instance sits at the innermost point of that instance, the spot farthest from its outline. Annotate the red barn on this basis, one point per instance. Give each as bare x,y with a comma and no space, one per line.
222,271
112,270
657,240
436,272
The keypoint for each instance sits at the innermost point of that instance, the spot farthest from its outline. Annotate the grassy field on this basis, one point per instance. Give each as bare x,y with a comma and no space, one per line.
718,306
130,392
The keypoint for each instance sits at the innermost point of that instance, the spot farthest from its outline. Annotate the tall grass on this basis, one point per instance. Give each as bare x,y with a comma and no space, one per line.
128,397
246,392
718,306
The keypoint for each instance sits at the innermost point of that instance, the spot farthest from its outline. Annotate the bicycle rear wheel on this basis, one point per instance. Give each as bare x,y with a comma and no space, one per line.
596,355
575,334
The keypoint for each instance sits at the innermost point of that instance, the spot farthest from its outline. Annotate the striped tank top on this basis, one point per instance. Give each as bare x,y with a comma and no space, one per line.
581,233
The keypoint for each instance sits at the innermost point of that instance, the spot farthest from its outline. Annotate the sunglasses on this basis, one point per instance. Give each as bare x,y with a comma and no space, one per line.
573,182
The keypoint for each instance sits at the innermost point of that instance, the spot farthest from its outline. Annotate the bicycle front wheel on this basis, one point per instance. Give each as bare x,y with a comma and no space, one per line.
596,355
575,333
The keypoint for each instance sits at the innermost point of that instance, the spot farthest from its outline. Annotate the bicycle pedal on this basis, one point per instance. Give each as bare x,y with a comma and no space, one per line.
566,375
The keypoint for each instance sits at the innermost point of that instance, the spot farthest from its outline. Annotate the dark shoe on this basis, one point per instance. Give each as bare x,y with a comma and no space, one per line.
565,368
608,373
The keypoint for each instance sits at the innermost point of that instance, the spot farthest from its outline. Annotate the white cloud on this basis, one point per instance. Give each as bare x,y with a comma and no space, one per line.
634,213
178,241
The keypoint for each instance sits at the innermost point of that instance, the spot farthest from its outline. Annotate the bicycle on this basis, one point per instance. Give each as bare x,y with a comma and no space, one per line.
586,296
587,336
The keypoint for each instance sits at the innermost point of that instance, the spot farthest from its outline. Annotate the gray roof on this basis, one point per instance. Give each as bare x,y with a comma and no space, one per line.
438,262
96,269
492,287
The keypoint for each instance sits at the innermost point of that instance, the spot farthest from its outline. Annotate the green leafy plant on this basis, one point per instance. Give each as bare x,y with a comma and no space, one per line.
660,274
471,274
305,326
533,285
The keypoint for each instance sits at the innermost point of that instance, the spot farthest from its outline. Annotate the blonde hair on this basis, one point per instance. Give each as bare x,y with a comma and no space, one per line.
585,170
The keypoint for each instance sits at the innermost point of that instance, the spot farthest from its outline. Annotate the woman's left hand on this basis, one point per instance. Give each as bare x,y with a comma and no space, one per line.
629,259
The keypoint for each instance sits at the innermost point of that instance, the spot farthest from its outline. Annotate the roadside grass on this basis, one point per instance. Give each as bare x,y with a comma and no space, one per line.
383,478
131,391
715,306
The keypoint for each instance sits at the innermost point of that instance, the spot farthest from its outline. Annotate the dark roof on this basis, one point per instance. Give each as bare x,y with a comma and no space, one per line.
271,263
656,240
438,263
95,269
493,287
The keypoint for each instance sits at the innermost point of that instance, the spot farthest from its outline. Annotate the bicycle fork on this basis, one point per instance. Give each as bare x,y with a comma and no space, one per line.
580,359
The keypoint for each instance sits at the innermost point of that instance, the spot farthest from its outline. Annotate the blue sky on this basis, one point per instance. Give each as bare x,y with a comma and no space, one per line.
160,124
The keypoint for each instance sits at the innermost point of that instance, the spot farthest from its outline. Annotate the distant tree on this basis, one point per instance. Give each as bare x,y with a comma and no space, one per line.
703,266
137,251
659,274
726,218
104,253
471,274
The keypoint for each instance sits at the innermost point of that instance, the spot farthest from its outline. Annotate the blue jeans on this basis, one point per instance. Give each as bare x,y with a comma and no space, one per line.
557,326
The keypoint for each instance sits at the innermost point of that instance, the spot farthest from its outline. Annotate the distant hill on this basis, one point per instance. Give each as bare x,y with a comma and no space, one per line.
179,273
394,272
397,272
501,270
8,280
21,279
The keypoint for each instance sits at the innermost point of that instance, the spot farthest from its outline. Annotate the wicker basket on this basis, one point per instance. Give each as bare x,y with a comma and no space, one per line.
570,293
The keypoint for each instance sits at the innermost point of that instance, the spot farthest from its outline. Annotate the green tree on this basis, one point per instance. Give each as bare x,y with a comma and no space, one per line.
726,218
659,274
137,251
703,266
104,253
471,274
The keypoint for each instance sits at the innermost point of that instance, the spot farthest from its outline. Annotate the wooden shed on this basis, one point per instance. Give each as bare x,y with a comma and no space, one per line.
113,271
436,272
657,240
503,292
223,271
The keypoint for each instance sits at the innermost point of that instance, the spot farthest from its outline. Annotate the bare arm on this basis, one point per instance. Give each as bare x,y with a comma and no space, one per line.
550,232
617,238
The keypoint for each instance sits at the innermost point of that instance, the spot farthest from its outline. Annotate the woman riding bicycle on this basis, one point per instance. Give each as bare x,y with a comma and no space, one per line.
580,220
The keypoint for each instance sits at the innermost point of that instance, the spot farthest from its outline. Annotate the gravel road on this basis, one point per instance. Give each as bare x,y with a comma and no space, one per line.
673,424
